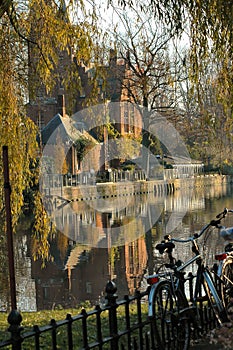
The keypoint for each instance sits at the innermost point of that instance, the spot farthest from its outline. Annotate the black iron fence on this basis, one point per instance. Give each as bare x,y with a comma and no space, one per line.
118,325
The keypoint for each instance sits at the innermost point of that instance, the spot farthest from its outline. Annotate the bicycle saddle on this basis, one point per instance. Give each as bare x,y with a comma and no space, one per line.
165,247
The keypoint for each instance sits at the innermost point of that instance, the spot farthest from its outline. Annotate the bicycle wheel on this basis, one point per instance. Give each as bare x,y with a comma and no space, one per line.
215,301
171,327
227,285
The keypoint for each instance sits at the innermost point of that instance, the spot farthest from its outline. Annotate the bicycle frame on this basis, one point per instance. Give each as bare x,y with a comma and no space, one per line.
203,279
154,279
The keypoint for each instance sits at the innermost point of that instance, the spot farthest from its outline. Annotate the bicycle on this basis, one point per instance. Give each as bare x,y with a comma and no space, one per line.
172,313
224,270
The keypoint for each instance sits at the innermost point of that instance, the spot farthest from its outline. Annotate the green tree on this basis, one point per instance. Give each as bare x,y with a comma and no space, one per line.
82,145
42,30
128,147
204,117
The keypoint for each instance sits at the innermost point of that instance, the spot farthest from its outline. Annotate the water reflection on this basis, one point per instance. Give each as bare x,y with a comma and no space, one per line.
79,271
123,221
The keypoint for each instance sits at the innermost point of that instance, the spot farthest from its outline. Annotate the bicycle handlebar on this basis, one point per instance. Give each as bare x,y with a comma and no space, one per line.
224,212
168,245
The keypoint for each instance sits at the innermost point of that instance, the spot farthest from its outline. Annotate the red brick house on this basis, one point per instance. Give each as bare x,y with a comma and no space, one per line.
110,88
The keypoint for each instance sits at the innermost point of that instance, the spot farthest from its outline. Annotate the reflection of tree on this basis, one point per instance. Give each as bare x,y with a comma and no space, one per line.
149,249
127,230
40,246
113,257
62,242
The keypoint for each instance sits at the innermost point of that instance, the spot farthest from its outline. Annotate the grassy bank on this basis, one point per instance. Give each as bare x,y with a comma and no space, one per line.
43,318
39,318
220,337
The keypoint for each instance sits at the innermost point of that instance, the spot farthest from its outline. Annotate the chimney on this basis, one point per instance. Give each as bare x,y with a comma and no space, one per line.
61,109
113,57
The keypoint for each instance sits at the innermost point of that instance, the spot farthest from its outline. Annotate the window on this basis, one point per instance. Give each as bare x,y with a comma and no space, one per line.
88,288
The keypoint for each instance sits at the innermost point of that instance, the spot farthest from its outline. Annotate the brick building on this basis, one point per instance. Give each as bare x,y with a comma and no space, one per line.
111,86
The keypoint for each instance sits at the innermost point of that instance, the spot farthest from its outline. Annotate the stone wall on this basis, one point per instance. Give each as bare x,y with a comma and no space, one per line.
124,189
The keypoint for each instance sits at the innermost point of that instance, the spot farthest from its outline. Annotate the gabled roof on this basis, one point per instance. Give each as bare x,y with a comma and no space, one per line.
64,128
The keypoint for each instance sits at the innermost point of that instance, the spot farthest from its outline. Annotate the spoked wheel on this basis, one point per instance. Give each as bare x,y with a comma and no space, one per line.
215,301
227,285
170,326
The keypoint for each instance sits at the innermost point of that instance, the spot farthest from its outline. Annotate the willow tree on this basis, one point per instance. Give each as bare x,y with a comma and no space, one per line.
209,26
43,27
17,131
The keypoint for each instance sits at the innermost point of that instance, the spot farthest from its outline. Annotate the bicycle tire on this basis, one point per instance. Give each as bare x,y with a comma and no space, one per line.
171,328
227,285
213,296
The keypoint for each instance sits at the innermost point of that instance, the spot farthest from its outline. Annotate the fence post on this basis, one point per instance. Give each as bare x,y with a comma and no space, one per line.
111,298
190,280
14,319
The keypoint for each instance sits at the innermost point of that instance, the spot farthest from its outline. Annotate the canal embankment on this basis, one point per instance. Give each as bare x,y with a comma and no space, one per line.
128,188
58,193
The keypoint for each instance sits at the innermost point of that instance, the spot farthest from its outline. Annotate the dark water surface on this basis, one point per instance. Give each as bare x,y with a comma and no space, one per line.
116,243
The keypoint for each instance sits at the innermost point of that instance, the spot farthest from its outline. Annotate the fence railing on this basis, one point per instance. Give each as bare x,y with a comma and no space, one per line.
113,175
88,178
118,325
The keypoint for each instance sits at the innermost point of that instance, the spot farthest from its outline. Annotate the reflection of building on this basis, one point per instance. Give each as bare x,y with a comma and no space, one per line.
51,286
62,284
69,285
135,263
77,255
80,272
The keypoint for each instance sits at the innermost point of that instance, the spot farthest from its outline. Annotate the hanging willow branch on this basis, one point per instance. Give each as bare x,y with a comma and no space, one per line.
11,13
4,6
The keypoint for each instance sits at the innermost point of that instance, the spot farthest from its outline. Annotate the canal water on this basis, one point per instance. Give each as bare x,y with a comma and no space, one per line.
114,242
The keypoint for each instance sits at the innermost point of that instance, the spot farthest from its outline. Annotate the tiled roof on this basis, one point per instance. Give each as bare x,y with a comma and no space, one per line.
63,128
